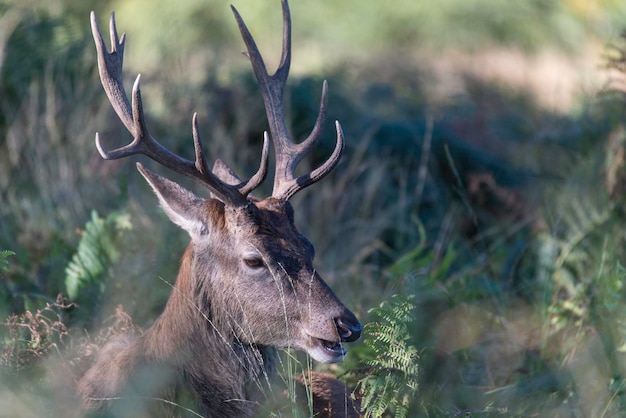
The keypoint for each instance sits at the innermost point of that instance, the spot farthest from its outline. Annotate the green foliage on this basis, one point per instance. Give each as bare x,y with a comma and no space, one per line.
97,250
4,260
391,382
366,27
568,273
573,255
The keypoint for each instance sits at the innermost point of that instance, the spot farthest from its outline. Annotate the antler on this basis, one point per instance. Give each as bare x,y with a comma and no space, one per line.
288,154
110,68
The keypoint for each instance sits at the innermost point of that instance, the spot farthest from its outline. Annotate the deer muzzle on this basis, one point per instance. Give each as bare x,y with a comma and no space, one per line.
349,329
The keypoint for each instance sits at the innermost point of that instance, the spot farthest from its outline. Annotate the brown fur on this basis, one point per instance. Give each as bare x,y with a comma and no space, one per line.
330,397
246,284
215,339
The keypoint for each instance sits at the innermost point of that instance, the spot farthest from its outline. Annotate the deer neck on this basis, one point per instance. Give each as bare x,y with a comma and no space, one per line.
190,338
178,322
189,317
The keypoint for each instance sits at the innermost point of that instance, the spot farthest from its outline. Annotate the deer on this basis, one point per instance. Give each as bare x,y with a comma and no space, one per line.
246,286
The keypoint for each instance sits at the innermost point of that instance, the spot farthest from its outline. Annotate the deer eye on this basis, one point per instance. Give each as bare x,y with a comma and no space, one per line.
254,262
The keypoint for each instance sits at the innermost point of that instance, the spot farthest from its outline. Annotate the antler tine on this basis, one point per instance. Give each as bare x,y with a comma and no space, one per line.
288,153
110,69
131,114
255,181
244,187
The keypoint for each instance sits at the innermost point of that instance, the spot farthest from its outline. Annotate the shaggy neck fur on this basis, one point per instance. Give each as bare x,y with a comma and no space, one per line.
188,354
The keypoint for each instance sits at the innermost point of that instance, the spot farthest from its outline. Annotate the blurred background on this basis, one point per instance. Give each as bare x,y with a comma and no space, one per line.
483,175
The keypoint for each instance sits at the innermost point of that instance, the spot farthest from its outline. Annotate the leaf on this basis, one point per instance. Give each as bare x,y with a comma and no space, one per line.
392,380
96,252
4,260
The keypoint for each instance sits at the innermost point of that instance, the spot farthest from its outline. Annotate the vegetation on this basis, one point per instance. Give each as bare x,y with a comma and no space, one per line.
490,202
391,383
97,250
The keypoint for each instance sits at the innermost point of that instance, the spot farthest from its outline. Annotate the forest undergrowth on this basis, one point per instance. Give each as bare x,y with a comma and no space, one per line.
479,235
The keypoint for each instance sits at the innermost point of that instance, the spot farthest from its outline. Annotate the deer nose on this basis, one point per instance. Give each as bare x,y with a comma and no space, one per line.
348,330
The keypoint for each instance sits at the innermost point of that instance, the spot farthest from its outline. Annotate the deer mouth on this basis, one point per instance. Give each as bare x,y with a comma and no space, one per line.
326,351
334,347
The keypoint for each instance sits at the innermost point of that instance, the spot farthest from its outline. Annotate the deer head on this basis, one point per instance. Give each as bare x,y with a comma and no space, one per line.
248,269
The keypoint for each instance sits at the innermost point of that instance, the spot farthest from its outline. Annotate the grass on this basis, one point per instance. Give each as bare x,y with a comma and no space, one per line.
500,215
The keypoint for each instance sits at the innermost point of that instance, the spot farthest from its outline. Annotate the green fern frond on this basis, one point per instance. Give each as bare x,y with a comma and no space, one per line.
4,260
392,379
96,252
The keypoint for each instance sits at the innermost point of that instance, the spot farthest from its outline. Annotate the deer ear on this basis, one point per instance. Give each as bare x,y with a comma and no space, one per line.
179,204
